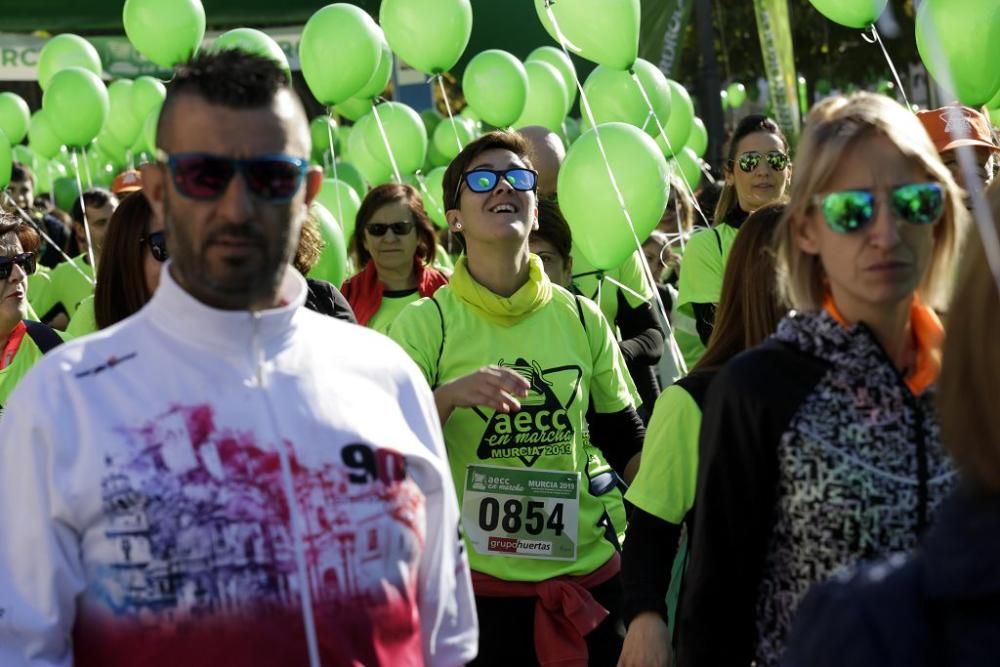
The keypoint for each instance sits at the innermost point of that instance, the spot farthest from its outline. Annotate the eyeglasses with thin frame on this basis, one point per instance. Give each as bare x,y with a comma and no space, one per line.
25,260
204,177
521,179
748,161
381,228
157,242
848,211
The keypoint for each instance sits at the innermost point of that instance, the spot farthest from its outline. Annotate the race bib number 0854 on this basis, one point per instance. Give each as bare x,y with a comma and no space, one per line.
521,512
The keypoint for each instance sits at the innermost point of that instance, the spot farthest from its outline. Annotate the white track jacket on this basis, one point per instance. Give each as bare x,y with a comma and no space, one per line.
202,487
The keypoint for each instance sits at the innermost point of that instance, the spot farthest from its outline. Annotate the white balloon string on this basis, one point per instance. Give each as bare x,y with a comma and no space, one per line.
663,133
333,160
41,232
585,103
981,213
385,141
451,116
892,67
83,211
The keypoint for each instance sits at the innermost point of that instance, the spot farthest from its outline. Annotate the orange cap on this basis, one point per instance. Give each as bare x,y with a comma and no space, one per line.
126,182
953,126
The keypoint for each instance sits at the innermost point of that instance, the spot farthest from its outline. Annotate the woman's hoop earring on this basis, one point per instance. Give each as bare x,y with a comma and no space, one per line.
458,226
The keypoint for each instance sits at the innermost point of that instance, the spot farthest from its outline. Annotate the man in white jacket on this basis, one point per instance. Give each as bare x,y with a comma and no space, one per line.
227,478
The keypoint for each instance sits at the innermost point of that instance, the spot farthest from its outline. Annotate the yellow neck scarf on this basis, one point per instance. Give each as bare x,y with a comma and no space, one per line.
504,311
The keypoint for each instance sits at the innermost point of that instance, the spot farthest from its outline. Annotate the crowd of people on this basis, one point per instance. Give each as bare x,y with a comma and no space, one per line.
768,454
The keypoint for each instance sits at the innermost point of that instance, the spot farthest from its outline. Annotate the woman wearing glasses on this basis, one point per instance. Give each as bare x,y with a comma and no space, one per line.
129,271
22,342
515,361
757,171
820,447
394,245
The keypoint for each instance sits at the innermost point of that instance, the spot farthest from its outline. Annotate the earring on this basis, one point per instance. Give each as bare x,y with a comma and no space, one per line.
458,226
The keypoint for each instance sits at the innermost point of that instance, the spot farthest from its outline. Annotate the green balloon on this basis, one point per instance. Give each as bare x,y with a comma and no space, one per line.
147,94
23,155
616,97
724,96
374,171
110,146
6,160
803,88
349,174
431,119
341,200
102,171
571,130
434,196
405,133
697,141
338,52
444,136
430,35
43,176
148,133
436,158
64,51
558,59
77,101
41,137
965,35
495,84
168,32
14,117
737,94
603,31
320,130
354,109
851,13
253,41
679,125
66,192
547,102
588,199
689,165
383,72
332,264
122,122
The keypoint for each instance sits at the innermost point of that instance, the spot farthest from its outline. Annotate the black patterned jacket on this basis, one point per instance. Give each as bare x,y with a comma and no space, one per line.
814,455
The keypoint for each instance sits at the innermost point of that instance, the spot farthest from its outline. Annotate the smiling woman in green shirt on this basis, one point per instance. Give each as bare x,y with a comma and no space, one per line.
515,361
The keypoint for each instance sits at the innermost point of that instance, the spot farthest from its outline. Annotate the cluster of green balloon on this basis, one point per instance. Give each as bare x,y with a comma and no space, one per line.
430,35
603,31
616,96
678,129
332,265
959,43
341,199
547,102
167,32
588,199
339,52
14,119
852,13
451,132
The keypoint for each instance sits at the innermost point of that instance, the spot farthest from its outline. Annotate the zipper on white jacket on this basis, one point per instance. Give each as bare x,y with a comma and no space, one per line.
295,516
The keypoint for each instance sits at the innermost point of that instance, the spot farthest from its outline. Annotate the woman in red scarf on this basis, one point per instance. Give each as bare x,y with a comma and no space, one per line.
394,246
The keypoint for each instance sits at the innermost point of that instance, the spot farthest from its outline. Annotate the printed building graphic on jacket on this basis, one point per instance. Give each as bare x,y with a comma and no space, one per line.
200,525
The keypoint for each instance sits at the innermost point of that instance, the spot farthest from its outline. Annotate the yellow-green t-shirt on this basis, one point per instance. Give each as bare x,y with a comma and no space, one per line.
702,269
66,286
392,305
38,283
668,475
569,363
26,357
442,260
602,287
83,321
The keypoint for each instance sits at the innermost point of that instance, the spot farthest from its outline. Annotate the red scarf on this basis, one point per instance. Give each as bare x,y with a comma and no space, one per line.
13,344
364,290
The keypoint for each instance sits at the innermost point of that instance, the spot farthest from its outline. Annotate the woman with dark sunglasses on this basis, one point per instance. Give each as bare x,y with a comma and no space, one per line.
515,362
820,447
22,342
758,171
394,244
129,269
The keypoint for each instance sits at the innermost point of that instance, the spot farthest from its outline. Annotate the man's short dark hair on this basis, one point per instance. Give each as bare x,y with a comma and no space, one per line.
94,198
229,77
20,172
